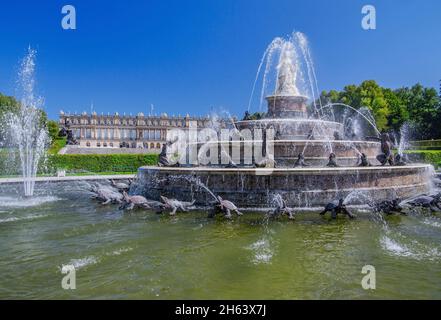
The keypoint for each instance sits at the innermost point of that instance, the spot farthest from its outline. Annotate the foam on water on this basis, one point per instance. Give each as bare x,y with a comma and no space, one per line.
29,217
82,262
18,202
433,222
262,251
416,251
120,251
394,247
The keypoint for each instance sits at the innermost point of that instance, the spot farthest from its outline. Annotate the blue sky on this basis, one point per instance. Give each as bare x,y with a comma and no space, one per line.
194,55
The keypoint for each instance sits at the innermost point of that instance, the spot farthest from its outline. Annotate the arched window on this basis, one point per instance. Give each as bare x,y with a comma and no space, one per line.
105,144
158,145
111,144
88,144
98,144
152,145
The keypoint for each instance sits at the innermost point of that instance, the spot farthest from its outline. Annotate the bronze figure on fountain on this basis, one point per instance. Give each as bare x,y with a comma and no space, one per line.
332,160
387,155
364,161
300,162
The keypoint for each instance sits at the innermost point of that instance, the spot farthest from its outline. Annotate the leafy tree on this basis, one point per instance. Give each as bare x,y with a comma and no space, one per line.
398,110
53,129
423,106
8,104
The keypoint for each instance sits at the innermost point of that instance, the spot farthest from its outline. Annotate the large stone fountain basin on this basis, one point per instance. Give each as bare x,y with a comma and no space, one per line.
301,187
316,152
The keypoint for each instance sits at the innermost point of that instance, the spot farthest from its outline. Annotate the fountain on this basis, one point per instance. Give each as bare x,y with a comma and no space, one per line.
24,130
300,132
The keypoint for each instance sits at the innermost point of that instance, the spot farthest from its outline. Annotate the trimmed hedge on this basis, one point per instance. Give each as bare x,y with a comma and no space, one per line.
76,163
426,143
428,156
101,162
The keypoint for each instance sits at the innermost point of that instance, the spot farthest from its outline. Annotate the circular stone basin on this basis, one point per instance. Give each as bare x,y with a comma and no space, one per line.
295,128
300,187
316,152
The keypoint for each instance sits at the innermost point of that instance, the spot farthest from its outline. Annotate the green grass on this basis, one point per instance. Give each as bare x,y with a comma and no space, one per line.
109,173
57,145
73,174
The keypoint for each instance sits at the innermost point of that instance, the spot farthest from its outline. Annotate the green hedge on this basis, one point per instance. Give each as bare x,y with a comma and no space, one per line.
81,163
426,143
427,156
101,162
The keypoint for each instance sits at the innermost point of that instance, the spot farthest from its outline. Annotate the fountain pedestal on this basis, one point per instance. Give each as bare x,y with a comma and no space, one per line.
284,106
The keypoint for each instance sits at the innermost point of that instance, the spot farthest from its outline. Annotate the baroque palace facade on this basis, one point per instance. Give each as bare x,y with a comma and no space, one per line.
115,131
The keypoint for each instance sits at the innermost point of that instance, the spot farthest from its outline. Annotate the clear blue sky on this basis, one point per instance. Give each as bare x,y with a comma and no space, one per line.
191,56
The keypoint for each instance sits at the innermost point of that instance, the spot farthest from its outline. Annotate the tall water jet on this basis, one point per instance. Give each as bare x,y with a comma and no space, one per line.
25,130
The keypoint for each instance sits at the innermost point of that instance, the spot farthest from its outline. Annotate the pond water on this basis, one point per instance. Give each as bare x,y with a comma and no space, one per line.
142,255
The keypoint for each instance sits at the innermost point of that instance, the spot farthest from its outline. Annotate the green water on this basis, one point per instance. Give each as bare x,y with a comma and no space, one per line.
147,256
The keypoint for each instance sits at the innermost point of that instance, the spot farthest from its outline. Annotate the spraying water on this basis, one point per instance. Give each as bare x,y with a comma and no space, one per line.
404,138
25,131
364,116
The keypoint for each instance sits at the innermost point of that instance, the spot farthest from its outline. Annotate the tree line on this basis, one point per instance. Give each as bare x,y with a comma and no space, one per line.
417,105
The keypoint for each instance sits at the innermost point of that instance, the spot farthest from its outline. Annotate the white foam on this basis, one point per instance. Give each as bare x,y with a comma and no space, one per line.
394,247
18,202
420,252
83,262
432,222
262,251
120,251
29,217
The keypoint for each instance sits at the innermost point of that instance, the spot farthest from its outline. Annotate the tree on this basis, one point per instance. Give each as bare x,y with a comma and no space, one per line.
423,106
53,129
369,94
392,108
398,110
8,104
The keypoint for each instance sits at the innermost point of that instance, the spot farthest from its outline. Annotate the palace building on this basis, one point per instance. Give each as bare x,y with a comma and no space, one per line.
116,131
